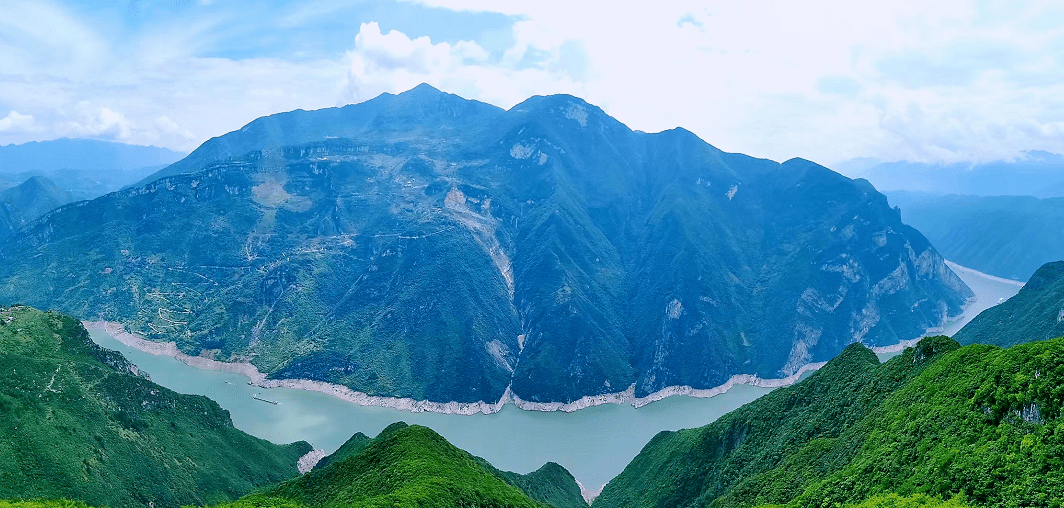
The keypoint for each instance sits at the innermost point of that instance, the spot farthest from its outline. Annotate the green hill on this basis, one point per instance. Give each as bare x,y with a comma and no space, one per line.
1035,313
977,422
551,484
404,466
444,249
80,422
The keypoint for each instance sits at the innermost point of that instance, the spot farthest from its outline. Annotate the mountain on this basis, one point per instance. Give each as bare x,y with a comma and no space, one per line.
1006,236
551,484
977,423
1035,173
33,198
85,168
403,466
1035,313
81,422
447,250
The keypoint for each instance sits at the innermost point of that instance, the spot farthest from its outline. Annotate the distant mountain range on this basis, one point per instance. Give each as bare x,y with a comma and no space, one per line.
1006,236
83,168
22,203
1036,173
426,246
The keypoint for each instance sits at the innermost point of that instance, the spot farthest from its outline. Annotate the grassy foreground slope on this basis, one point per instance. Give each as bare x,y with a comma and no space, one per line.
403,466
939,421
79,422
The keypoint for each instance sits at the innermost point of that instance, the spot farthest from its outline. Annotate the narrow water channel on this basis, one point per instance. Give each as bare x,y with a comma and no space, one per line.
594,444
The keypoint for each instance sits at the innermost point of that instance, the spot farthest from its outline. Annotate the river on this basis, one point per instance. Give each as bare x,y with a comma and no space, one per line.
594,444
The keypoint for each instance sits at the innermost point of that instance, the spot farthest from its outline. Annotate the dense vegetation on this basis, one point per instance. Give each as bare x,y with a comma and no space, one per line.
78,422
445,249
551,484
977,422
1006,236
404,466
1035,313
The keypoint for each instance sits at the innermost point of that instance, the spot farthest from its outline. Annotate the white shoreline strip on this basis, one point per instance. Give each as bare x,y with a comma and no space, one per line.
958,268
256,378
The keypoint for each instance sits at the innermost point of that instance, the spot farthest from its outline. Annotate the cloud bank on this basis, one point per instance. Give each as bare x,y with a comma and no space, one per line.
825,80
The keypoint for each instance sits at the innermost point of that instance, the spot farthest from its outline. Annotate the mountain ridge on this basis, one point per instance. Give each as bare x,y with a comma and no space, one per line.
552,248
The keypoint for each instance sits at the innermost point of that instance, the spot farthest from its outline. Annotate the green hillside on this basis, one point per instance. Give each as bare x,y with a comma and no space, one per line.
978,422
1035,313
551,484
80,422
445,250
404,466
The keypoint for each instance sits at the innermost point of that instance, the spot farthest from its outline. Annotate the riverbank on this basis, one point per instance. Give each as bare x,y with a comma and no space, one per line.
257,378
986,296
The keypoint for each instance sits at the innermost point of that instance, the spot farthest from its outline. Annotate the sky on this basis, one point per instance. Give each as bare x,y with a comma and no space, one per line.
942,81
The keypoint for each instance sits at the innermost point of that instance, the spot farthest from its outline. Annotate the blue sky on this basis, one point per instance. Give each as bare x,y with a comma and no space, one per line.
821,79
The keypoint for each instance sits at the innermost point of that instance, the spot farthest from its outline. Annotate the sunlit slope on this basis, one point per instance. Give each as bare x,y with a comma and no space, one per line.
80,423
978,422
406,466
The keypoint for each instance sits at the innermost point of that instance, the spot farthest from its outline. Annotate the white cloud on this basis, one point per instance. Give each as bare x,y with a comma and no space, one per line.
824,79
821,79
15,122
98,122
393,62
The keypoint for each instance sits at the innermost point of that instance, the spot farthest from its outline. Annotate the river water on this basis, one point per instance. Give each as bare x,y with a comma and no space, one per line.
594,444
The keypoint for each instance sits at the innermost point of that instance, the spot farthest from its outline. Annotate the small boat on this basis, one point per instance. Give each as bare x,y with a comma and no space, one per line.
256,397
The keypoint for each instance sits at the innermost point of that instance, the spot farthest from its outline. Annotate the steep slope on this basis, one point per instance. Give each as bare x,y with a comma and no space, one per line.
552,484
403,466
448,250
1035,313
977,422
79,422
27,201
350,448
1006,236
676,468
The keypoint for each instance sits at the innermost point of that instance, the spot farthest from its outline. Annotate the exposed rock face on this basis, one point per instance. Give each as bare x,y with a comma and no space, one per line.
447,250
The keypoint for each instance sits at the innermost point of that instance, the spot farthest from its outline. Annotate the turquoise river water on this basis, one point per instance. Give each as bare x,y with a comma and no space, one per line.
594,443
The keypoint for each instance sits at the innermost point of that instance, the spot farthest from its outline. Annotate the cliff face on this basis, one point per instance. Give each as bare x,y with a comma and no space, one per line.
444,249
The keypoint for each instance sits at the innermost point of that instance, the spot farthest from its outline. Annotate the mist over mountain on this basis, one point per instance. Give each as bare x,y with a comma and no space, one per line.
1036,173
1006,236
84,168
33,198
422,245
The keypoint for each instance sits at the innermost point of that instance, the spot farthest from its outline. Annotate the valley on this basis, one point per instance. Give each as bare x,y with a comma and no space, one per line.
585,442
